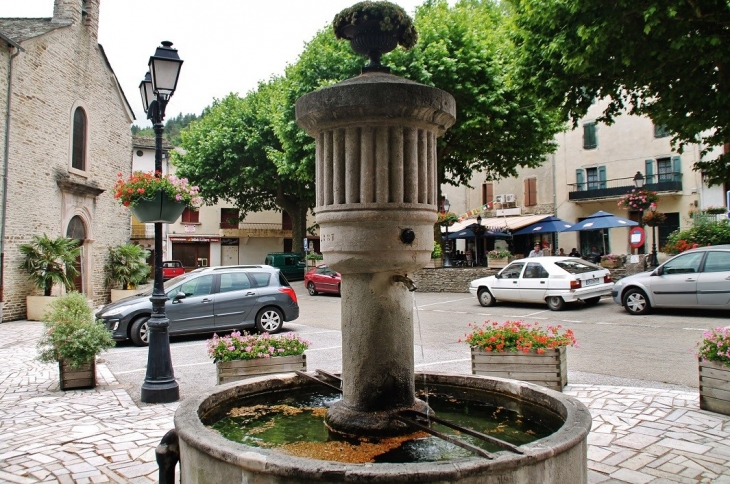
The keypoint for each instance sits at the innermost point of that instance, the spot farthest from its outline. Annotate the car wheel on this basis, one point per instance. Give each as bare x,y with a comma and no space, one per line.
555,303
140,333
592,301
485,298
636,302
311,289
339,290
269,320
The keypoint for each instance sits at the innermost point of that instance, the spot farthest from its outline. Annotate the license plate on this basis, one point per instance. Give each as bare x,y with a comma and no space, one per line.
591,282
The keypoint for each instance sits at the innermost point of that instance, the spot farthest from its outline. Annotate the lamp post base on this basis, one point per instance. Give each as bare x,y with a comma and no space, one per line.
160,392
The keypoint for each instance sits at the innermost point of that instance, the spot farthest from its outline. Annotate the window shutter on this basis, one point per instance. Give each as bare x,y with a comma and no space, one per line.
677,168
601,177
190,216
590,140
530,192
487,193
579,180
649,171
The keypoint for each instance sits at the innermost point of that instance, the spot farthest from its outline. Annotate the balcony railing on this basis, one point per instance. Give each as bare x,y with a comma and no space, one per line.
618,187
256,230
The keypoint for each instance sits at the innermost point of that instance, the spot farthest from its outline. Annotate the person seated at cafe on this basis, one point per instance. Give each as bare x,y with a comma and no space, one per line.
536,251
574,252
594,256
561,252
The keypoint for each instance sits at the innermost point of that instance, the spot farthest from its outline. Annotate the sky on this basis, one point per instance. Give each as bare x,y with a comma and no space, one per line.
226,45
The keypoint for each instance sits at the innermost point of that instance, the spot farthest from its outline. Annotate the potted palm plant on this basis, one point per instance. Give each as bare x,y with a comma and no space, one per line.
73,338
48,262
239,356
127,268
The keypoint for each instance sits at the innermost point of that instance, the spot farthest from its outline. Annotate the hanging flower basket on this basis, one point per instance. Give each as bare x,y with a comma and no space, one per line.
158,209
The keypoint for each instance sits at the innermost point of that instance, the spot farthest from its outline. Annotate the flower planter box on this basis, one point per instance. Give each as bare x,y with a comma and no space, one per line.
228,371
81,377
608,264
714,387
498,263
435,263
549,369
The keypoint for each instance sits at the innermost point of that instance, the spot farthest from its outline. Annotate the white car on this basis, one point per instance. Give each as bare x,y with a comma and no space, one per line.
553,280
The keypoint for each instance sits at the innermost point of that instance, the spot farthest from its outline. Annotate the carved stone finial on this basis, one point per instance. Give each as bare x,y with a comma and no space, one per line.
374,29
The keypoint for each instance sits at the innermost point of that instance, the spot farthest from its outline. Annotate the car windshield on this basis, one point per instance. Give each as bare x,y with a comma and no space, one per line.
576,266
169,283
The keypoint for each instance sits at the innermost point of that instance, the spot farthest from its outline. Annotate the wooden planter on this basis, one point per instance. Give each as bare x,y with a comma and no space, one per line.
229,371
549,369
611,264
714,387
435,263
498,263
81,377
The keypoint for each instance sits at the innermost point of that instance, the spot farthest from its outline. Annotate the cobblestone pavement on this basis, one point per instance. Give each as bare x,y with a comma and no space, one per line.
639,435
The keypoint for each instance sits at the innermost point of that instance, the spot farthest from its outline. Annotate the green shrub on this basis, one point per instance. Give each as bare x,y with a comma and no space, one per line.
436,250
709,233
71,332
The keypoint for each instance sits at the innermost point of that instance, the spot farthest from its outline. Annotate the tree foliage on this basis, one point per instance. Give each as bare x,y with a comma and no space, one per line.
250,151
173,127
666,59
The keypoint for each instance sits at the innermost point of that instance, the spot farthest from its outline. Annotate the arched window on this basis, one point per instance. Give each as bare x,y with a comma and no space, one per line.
78,151
76,228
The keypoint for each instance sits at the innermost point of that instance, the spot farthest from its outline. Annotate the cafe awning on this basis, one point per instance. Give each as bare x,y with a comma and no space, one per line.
499,223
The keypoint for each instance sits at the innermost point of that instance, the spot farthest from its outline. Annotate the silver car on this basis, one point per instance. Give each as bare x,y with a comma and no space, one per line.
697,278
209,299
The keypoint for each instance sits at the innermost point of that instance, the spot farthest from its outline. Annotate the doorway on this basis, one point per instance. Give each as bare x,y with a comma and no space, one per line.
77,230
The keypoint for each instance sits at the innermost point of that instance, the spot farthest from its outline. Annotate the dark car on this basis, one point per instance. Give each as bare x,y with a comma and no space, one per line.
322,279
291,264
209,299
697,278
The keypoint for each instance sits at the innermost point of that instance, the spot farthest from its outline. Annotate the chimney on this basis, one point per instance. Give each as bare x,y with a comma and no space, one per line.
80,12
65,10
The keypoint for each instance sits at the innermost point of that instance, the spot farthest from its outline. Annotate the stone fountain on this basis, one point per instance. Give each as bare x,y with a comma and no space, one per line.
376,206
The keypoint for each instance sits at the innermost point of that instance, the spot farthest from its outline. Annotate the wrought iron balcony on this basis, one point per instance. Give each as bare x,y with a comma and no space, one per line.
618,187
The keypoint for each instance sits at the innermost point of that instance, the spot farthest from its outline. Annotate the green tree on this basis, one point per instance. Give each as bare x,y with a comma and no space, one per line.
666,59
173,127
251,152
230,154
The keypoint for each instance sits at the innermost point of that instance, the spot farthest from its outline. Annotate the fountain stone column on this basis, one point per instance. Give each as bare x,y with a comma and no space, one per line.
376,206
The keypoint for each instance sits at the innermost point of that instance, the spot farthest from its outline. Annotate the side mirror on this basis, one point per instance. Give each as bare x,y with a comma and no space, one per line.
179,295
657,272
498,276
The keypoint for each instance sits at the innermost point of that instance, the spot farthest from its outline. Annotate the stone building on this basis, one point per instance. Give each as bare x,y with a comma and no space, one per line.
64,134
593,167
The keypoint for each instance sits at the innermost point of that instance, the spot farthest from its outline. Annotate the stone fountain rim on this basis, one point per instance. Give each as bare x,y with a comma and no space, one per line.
191,430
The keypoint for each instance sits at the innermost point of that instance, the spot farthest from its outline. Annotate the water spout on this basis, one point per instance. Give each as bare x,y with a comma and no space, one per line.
407,281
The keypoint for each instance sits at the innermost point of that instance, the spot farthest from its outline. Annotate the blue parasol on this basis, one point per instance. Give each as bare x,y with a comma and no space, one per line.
544,226
599,221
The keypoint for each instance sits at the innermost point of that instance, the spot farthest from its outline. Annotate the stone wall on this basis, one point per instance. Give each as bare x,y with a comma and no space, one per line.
56,73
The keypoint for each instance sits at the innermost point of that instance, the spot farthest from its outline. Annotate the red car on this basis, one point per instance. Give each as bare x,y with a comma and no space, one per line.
322,279
172,268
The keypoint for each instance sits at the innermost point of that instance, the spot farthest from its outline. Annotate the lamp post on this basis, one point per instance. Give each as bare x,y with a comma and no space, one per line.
654,263
639,183
156,89
477,239
447,255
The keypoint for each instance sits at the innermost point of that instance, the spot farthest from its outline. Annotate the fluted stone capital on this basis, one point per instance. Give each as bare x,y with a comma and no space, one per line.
376,171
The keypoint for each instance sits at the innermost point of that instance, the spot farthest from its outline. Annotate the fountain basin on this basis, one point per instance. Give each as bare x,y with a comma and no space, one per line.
206,457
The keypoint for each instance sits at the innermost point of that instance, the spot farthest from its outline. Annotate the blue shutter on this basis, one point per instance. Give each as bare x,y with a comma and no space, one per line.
677,168
601,177
579,180
649,172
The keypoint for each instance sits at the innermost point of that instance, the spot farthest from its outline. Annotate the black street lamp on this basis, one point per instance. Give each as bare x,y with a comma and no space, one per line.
479,231
654,263
639,183
156,89
447,256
